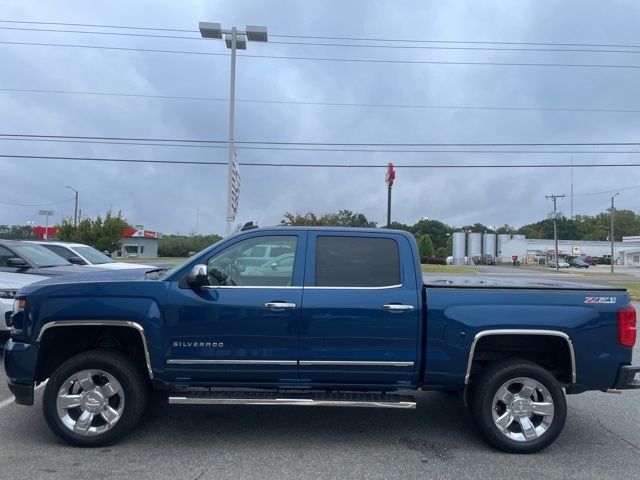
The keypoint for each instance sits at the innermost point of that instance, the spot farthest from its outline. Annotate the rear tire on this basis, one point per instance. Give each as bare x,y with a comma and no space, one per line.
95,398
518,406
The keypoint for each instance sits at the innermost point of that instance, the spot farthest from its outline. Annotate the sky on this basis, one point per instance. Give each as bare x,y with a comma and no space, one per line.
173,198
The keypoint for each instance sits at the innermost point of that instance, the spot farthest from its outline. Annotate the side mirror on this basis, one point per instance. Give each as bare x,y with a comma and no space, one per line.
198,277
77,261
274,266
17,262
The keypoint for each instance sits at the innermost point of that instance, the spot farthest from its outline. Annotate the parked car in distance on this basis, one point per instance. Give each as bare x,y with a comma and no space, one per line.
484,259
10,283
561,264
80,254
24,257
589,259
578,263
260,254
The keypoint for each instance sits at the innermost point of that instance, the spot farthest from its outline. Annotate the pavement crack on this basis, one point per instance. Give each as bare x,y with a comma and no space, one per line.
601,425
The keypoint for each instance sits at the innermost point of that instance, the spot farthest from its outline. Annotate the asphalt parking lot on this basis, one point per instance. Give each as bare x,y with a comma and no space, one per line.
601,440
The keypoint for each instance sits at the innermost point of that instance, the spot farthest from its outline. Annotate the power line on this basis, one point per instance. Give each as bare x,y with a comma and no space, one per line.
341,38
320,165
316,149
607,191
340,45
330,104
345,144
35,204
331,59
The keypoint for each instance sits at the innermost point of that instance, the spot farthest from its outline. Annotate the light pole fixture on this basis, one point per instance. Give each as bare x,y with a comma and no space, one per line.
613,213
234,39
75,212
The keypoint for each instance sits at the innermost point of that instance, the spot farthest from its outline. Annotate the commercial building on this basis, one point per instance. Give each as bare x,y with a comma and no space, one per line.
136,242
534,250
139,243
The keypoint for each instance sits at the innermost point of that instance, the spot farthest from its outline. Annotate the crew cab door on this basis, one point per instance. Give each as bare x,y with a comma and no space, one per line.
246,330
360,315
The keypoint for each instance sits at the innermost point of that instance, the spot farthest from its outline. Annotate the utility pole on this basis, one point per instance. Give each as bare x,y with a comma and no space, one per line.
571,188
555,226
613,213
75,212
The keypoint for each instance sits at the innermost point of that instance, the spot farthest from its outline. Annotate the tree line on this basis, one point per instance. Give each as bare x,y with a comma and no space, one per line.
434,237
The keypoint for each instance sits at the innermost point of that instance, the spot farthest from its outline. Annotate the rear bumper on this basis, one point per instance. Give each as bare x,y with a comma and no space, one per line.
626,377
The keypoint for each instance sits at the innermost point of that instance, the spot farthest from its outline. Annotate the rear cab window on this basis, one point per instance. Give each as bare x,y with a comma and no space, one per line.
357,262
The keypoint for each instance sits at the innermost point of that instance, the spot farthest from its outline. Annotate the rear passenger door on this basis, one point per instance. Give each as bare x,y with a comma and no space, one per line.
360,311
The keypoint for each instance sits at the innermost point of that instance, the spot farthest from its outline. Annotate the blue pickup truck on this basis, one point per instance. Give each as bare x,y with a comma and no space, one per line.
341,317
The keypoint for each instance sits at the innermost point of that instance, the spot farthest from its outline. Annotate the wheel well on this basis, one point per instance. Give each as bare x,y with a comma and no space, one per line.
549,351
59,344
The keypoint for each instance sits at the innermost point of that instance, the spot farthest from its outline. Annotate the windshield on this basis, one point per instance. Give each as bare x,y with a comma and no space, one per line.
39,256
94,256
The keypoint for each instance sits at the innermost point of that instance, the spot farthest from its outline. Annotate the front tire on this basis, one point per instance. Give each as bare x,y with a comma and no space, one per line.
95,398
518,406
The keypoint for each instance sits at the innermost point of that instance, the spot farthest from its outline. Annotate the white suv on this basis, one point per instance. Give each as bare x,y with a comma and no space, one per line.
80,254
10,283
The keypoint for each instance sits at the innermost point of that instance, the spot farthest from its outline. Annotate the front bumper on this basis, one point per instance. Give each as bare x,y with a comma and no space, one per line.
626,377
22,392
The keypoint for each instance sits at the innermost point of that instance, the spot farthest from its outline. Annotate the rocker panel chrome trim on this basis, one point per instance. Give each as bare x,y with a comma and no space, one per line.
100,323
301,402
180,361
553,333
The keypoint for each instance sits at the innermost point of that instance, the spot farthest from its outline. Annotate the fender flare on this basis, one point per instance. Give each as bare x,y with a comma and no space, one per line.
551,333
101,323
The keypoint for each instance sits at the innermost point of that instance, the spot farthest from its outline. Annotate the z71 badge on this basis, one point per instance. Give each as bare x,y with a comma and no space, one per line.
600,300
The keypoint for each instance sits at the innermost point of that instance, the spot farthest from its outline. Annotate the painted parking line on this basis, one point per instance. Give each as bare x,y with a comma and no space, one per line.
9,401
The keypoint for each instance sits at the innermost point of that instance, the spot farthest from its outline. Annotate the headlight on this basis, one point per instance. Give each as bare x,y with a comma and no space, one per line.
18,305
7,293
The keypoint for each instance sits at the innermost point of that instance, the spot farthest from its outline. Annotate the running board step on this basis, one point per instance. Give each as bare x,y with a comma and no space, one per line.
308,399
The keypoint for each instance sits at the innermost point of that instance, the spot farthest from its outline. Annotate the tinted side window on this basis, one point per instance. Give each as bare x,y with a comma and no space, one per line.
5,254
63,252
357,262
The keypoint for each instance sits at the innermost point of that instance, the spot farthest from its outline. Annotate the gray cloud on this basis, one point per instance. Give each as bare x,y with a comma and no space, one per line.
165,197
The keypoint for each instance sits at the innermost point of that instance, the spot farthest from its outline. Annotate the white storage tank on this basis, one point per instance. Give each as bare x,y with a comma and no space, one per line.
502,238
475,245
459,241
489,244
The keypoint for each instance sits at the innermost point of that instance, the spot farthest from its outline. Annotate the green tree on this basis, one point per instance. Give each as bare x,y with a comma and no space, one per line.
104,235
438,232
182,245
425,246
342,218
17,232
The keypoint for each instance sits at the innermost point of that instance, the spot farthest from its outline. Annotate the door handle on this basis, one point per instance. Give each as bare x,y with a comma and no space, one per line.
279,305
395,307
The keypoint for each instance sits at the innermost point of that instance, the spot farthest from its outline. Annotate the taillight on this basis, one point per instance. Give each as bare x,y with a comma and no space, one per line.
627,326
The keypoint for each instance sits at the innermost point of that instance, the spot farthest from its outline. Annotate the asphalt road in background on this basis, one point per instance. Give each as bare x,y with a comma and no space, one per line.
601,440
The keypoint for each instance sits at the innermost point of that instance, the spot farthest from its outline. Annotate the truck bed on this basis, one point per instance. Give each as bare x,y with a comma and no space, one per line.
526,283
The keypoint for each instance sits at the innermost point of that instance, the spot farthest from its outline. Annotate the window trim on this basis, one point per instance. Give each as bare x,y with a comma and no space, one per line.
340,235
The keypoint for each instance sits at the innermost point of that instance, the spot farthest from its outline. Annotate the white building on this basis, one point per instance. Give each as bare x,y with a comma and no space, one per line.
532,250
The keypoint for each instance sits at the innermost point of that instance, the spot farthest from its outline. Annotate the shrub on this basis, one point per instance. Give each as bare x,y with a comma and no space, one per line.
432,260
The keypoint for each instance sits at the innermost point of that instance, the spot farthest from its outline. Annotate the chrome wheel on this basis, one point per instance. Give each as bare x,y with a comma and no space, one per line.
522,409
90,402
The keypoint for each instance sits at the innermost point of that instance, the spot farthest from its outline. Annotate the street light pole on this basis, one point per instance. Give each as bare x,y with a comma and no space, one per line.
612,212
555,227
234,40
232,113
75,212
